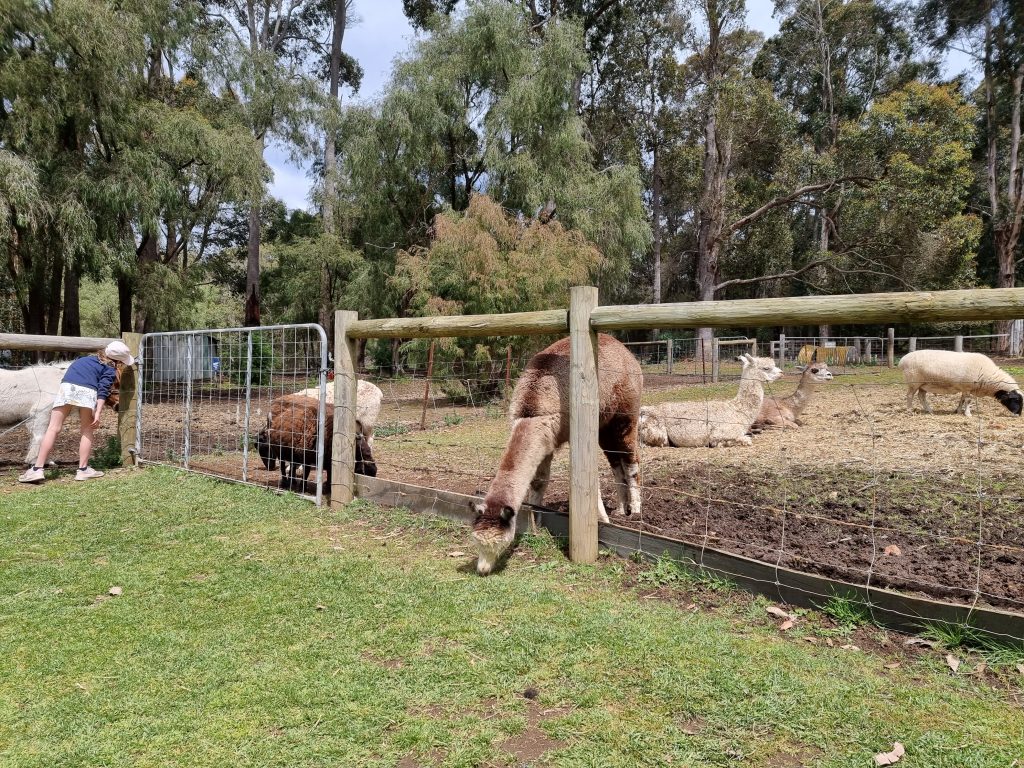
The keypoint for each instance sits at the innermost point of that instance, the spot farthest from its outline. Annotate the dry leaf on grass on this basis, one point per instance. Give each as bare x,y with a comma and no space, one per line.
115,591
850,647
952,662
775,611
890,758
980,669
892,549
893,665
787,624
456,553
920,641
1020,668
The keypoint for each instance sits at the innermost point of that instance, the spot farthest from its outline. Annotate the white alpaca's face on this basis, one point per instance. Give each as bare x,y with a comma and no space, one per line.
651,430
492,535
760,368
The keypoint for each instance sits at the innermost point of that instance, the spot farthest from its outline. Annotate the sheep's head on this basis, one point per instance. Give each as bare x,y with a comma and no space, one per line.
263,449
365,465
760,368
1012,401
651,430
493,531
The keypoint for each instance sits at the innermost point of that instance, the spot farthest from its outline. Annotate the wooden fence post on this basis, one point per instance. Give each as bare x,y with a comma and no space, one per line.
669,355
426,387
912,344
890,351
716,354
584,415
958,343
782,350
343,435
126,409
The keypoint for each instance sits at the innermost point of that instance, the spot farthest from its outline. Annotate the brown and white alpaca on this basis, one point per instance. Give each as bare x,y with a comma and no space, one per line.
539,418
785,412
710,423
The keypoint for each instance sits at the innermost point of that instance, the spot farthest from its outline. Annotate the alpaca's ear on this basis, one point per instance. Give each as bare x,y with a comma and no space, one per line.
507,513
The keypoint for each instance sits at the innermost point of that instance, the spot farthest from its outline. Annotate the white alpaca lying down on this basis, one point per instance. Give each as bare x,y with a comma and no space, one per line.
709,423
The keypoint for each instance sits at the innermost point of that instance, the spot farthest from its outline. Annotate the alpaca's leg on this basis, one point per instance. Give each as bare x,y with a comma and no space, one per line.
618,439
539,484
36,426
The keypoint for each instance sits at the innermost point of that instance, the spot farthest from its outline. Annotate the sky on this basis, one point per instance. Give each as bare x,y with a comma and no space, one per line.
382,33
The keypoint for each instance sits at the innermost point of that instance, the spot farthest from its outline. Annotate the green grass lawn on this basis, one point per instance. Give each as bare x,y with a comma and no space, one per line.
256,630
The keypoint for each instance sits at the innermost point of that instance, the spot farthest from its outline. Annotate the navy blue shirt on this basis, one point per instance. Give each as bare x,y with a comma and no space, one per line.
90,372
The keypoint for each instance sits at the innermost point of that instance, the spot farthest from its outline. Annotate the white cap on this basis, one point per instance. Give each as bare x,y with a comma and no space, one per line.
118,350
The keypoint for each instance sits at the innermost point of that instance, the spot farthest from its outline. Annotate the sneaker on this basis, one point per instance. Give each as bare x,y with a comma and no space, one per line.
32,476
87,474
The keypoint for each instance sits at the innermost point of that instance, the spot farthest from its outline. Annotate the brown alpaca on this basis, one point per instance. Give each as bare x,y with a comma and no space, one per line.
785,412
539,418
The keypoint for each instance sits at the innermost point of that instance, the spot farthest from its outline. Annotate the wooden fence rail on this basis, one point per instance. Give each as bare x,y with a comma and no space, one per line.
585,318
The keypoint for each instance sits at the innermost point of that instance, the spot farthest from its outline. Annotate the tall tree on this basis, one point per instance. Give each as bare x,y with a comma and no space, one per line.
264,52
992,33
482,106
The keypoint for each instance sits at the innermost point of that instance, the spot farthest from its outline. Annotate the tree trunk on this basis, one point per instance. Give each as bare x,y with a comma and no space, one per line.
148,255
712,215
124,303
53,296
656,223
71,323
252,266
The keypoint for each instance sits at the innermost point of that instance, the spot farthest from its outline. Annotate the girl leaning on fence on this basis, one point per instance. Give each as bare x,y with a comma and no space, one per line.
85,387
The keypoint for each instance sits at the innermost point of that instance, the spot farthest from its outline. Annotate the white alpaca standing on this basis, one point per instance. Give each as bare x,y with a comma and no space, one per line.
709,423
26,396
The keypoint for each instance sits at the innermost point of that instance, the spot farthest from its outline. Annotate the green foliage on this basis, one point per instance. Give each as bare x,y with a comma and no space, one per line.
479,106
848,612
109,456
390,429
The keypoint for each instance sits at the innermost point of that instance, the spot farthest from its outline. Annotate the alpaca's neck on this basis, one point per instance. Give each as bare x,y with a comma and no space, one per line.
802,396
750,395
531,441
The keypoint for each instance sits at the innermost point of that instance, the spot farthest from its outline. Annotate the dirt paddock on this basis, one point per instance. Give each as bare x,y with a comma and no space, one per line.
864,492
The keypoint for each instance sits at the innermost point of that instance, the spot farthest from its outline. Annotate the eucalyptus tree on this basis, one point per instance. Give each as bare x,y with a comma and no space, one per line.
483,106
829,61
265,53
991,32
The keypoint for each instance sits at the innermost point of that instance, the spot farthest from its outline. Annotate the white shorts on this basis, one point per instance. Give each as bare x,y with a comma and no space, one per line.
75,394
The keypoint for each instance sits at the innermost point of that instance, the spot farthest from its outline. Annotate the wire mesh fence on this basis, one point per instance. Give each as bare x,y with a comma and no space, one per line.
857,489
243,404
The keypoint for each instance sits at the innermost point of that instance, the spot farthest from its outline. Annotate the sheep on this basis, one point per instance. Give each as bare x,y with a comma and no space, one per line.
711,422
969,373
539,421
289,437
26,397
368,401
785,411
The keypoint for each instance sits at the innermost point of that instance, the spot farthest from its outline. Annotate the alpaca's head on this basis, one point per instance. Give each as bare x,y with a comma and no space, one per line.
493,531
651,430
816,373
759,368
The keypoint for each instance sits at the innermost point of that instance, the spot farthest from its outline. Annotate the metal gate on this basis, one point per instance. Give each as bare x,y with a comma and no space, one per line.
205,395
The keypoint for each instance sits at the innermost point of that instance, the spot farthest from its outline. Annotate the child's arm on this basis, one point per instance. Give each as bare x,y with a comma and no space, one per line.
103,392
